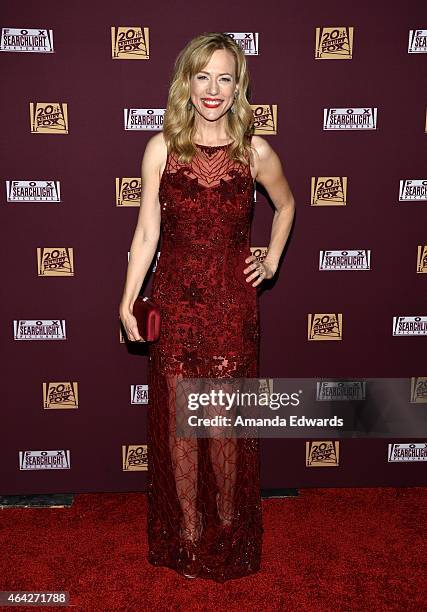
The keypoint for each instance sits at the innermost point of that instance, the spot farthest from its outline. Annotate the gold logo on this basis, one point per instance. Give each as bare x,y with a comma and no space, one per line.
134,457
128,192
422,259
324,453
55,261
259,252
328,191
419,389
130,43
325,326
334,43
121,336
48,117
265,116
62,395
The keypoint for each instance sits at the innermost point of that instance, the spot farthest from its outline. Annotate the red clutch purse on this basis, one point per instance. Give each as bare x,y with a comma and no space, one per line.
147,314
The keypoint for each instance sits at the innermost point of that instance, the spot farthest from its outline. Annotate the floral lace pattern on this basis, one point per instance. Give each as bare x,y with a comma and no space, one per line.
210,328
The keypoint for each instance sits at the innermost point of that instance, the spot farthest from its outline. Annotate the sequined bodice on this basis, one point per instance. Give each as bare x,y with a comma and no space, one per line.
206,212
208,200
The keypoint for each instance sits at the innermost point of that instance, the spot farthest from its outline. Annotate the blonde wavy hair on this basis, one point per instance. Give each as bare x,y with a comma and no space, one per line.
178,121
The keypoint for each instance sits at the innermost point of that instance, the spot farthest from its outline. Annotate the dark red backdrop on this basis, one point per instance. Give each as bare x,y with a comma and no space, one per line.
97,149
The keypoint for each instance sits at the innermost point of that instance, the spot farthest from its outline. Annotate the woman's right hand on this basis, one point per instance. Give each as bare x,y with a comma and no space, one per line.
131,326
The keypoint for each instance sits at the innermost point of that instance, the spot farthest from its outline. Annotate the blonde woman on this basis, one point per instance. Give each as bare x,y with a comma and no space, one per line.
204,503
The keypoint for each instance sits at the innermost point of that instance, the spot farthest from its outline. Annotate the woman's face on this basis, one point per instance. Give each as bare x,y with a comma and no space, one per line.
212,89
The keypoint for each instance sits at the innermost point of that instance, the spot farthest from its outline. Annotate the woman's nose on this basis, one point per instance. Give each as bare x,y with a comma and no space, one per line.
213,89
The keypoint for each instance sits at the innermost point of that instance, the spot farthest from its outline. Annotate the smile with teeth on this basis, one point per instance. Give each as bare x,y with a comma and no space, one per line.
210,103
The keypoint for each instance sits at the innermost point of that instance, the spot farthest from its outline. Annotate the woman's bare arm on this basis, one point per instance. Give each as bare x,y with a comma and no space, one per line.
270,175
147,232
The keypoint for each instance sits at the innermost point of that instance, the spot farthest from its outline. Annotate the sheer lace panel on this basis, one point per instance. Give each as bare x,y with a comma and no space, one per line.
210,166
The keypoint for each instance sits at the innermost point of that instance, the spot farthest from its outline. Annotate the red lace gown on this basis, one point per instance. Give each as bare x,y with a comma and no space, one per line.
210,328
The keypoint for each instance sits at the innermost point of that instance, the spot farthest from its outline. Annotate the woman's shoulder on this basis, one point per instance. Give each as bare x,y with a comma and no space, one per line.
157,142
156,149
261,146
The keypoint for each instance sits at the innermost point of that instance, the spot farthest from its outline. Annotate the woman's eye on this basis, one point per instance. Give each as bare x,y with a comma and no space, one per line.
203,76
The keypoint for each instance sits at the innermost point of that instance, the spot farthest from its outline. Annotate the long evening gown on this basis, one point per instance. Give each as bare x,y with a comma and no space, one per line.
210,328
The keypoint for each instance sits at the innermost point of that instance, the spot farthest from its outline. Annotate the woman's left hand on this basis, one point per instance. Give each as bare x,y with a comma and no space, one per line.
262,270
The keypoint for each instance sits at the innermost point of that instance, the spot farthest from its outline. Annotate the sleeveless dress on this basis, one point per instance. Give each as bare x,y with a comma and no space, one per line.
210,328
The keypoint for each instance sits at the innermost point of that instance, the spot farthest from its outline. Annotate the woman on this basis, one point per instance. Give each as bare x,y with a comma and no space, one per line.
204,504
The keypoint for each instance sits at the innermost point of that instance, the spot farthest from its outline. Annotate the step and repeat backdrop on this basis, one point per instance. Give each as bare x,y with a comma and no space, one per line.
341,96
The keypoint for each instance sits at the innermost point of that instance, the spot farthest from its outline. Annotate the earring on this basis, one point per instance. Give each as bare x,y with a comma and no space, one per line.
189,105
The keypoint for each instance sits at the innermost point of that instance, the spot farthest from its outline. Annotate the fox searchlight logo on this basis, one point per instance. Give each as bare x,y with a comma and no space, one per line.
33,191
27,40
350,118
46,329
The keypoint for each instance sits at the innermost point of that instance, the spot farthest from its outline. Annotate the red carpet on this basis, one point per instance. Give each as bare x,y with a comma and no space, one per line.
328,549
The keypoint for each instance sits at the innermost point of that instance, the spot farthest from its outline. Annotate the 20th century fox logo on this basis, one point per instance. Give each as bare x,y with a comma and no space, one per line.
55,261
130,42
134,457
334,43
322,453
60,395
49,117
